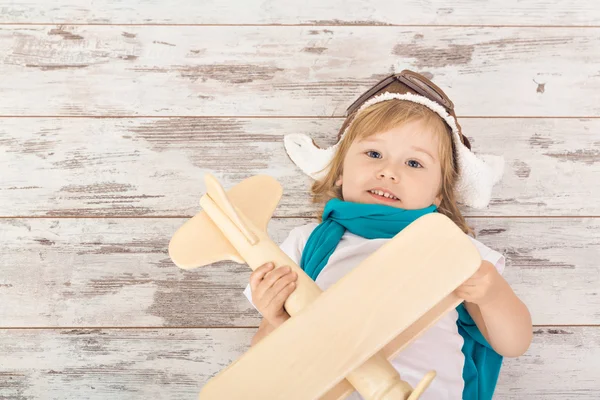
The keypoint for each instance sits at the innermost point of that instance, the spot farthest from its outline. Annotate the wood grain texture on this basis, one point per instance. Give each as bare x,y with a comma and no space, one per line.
310,12
291,70
69,167
84,241
116,272
175,363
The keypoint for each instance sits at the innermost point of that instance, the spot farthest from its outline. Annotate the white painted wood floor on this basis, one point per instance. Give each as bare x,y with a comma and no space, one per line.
111,112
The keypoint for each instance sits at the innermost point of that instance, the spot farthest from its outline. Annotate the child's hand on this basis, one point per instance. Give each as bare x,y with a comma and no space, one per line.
482,287
270,290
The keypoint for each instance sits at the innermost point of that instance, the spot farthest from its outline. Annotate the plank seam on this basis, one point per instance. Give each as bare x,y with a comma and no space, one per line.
381,25
218,327
280,116
287,217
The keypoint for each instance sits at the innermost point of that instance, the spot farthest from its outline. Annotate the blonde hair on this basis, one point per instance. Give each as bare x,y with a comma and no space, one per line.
384,116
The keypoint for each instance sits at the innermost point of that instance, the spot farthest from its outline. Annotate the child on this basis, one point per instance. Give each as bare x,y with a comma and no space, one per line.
401,154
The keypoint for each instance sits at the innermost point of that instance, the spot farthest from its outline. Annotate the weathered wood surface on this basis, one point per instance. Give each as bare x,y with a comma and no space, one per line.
97,257
116,272
175,363
311,12
71,167
291,70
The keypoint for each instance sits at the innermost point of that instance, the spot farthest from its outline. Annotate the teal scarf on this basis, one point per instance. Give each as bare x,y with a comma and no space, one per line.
372,221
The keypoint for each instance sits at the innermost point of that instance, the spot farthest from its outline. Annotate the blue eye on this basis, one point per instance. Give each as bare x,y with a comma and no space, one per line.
373,152
416,162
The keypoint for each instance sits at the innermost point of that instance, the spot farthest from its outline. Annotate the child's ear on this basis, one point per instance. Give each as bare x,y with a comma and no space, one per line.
339,180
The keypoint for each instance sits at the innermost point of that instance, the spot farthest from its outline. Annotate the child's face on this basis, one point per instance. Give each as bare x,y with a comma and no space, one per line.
403,161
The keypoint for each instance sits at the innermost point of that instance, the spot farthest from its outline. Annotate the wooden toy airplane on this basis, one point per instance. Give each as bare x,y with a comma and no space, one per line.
335,341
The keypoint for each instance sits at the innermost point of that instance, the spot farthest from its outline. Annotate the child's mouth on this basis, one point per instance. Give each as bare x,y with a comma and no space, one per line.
383,198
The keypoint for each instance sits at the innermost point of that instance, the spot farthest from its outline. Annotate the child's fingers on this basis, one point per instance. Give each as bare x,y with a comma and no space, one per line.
262,292
470,294
279,285
464,293
276,304
473,281
264,278
259,273
469,284
272,276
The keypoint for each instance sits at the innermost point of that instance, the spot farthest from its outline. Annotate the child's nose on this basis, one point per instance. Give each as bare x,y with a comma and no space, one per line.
388,173
391,177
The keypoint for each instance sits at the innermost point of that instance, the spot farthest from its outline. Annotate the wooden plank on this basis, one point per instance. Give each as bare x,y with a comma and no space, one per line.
292,70
82,166
312,12
555,366
116,272
562,362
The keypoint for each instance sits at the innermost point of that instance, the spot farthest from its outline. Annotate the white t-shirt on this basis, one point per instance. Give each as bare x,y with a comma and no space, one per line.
438,348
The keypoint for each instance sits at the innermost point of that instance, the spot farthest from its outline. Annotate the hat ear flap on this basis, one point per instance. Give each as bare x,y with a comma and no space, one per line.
496,164
477,176
309,157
